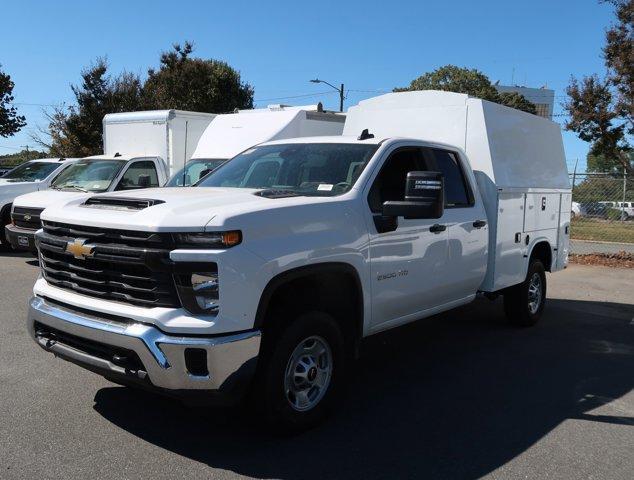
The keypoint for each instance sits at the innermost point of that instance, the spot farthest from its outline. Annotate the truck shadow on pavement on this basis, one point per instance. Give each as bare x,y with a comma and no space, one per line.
454,396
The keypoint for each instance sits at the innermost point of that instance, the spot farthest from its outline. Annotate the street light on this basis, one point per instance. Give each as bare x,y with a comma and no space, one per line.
340,90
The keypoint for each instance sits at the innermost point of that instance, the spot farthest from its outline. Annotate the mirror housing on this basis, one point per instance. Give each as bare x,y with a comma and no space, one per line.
144,181
424,197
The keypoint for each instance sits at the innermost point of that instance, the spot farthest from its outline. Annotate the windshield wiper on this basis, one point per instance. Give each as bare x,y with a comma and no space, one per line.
74,187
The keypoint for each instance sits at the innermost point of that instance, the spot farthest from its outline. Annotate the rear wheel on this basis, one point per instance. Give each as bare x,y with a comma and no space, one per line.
300,380
524,303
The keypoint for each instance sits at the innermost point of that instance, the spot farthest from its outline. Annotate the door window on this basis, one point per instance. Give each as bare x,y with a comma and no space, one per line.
139,175
390,182
457,193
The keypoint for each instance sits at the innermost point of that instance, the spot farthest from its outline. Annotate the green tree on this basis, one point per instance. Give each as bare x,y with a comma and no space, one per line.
10,122
196,84
602,109
470,81
77,131
13,159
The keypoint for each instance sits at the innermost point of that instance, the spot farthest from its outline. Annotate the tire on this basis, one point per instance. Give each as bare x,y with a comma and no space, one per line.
5,220
524,303
294,403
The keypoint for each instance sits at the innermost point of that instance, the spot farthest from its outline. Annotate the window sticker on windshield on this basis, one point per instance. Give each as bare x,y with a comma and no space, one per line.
325,187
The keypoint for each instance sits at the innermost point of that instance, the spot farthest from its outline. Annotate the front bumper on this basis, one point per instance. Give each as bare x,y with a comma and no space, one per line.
21,238
136,353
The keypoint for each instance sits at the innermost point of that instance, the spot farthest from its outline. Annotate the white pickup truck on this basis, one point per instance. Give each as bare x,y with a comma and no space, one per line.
25,178
141,149
266,276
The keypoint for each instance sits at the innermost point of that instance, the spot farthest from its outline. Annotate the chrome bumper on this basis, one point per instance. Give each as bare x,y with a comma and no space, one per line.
231,359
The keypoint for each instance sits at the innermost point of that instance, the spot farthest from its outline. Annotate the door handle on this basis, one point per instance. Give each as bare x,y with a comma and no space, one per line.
479,223
437,228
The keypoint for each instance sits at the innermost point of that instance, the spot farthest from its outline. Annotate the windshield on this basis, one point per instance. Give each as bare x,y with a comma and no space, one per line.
194,171
88,175
31,171
324,169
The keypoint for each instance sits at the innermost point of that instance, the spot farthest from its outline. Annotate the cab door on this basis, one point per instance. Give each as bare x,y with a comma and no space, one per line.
466,222
408,257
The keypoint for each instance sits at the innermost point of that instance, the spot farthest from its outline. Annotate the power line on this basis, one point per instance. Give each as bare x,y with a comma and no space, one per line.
306,95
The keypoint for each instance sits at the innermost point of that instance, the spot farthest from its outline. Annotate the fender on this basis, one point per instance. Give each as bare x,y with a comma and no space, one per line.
531,249
305,271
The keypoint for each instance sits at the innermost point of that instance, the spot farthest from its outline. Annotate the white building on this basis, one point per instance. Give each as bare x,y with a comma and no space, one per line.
543,98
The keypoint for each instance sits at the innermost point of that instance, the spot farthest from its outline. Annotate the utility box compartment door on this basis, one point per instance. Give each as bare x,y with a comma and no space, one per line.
509,247
542,211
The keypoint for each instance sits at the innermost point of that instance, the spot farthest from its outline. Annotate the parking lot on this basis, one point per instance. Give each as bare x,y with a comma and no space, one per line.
460,395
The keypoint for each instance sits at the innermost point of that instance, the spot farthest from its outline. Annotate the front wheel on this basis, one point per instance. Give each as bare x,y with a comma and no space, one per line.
524,303
301,378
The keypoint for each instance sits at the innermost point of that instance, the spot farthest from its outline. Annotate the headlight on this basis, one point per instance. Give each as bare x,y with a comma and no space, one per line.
205,290
198,291
209,240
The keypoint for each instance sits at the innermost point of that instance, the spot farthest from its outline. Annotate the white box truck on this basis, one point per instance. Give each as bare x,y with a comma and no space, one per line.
232,133
141,149
171,135
267,275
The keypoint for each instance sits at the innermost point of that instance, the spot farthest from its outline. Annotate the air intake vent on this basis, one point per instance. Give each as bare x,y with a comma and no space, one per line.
121,203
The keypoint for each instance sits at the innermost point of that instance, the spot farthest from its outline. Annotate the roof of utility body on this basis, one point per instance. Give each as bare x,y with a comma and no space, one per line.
229,134
514,149
150,115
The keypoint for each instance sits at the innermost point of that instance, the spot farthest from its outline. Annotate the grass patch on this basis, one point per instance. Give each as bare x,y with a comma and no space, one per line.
602,230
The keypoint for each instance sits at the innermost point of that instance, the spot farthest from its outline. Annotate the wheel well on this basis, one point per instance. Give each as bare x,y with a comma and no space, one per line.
543,252
5,211
332,288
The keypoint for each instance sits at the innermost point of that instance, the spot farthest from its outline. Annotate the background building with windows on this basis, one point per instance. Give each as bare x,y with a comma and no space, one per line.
543,98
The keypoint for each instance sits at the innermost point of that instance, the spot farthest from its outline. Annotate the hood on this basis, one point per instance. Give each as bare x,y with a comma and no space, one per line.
173,209
46,198
10,190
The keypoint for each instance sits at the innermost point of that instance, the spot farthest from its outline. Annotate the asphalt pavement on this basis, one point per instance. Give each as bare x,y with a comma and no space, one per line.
459,395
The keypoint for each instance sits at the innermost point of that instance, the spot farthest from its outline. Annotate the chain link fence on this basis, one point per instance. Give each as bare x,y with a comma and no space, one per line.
602,217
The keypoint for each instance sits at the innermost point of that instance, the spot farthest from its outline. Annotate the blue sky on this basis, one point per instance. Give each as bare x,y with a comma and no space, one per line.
278,46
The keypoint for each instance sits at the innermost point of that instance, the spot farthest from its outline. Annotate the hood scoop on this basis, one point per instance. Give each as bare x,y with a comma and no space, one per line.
121,203
276,193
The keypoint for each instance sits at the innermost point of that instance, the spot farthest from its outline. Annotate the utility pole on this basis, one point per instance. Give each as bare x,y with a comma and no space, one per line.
26,147
340,90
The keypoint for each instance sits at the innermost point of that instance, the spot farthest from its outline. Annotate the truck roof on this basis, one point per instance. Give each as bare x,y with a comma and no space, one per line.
151,115
229,134
112,157
53,160
514,149
326,139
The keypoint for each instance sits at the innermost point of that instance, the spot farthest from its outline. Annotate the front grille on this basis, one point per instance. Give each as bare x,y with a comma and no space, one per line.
27,217
121,265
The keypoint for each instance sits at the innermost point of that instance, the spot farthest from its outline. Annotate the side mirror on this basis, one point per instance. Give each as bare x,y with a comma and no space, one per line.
143,181
424,197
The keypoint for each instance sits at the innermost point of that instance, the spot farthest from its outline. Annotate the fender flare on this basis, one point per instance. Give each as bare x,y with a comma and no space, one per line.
305,271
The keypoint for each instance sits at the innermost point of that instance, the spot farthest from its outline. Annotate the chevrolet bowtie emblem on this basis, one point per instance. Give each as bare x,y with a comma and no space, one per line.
79,249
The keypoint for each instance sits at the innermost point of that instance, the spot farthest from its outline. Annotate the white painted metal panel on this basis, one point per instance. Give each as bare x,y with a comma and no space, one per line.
509,253
542,212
